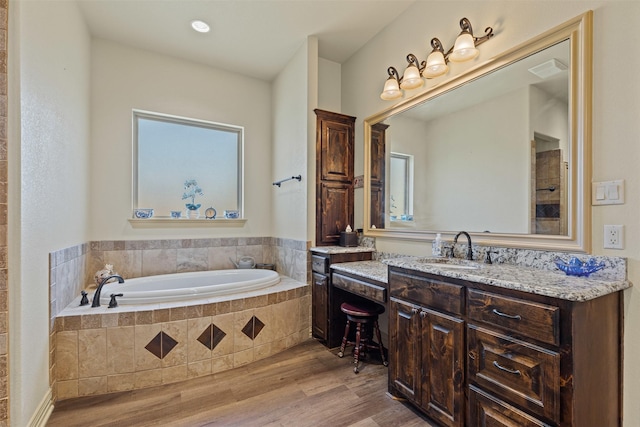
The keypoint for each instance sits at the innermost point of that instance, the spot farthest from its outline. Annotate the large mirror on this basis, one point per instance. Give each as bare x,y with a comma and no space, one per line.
502,151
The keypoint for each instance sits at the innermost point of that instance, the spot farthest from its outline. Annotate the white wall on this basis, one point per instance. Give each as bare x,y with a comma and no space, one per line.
550,117
124,78
290,148
615,111
49,170
329,85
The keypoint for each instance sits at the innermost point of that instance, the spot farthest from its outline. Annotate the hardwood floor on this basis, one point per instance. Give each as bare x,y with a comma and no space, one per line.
307,385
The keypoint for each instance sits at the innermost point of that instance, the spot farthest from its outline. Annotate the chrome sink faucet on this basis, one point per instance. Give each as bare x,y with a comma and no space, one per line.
96,296
455,240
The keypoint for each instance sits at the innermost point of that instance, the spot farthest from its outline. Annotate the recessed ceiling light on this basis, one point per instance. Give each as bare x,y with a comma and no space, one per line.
200,26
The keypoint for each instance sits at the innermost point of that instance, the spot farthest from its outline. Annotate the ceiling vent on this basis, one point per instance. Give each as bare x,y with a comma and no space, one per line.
548,69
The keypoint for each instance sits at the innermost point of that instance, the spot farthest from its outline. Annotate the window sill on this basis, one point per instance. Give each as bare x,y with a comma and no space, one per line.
185,223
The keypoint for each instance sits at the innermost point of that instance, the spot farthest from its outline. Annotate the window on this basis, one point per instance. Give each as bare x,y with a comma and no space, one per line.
401,187
168,151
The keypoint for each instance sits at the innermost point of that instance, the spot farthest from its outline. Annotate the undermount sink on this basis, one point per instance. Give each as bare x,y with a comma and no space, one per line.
452,263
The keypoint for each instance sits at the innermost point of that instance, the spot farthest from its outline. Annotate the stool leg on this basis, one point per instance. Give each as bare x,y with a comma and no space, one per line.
379,338
344,339
356,354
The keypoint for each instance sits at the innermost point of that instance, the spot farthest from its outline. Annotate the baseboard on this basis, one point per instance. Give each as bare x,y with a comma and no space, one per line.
43,411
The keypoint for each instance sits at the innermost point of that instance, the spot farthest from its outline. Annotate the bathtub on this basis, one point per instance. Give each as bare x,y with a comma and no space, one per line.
188,286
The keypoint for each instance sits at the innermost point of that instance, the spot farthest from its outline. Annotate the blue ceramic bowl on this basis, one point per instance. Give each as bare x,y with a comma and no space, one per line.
142,213
231,214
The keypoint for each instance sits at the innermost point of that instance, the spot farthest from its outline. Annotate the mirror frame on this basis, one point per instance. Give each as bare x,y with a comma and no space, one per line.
579,32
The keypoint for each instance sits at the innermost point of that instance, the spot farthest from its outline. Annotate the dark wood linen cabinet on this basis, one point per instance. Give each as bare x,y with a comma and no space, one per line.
334,175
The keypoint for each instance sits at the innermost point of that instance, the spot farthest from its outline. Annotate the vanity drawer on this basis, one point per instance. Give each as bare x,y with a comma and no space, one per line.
368,290
519,372
319,264
525,318
486,410
432,293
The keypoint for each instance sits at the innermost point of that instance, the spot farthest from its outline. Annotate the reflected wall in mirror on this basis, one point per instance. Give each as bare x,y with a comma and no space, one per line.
170,150
504,149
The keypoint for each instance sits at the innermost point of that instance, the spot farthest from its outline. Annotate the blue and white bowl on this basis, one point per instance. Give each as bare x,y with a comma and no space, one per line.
143,213
231,214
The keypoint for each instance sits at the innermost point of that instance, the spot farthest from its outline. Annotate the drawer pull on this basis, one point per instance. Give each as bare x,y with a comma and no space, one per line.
508,316
502,368
423,314
414,310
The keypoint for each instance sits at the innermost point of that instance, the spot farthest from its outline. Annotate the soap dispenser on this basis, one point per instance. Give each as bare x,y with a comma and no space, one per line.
436,245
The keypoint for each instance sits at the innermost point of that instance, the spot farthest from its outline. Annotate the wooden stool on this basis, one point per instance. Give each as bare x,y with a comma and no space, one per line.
362,315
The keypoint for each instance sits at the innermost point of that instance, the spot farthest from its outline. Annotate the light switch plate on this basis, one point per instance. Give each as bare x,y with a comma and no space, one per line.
607,192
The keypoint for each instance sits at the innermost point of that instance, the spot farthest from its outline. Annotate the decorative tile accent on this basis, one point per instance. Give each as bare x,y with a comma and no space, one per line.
211,336
161,345
253,327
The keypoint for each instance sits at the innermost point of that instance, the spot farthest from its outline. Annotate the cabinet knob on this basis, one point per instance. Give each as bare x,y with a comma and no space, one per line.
423,314
414,310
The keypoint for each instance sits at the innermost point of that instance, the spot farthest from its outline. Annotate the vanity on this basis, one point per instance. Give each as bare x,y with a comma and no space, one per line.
505,345
327,321
475,344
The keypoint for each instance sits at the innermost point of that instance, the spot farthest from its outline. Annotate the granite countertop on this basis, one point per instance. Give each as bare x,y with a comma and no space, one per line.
527,279
374,270
341,249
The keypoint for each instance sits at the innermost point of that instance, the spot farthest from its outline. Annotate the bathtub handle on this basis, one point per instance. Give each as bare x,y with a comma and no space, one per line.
113,303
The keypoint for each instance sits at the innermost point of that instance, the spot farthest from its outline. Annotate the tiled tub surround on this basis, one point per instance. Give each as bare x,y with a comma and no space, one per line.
71,269
104,350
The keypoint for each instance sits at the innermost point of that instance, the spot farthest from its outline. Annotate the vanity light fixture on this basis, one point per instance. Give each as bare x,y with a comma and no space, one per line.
412,77
200,26
391,89
464,49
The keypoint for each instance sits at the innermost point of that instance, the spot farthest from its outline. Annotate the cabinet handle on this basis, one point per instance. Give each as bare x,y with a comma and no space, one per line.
508,316
502,368
423,314
414,310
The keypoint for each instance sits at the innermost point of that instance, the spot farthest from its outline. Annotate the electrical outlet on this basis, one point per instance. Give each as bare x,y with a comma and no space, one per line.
614,236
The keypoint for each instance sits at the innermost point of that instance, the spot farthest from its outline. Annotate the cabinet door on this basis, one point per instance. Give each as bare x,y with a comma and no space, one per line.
377,206
404,349
335,211
442,367
336,149
320,304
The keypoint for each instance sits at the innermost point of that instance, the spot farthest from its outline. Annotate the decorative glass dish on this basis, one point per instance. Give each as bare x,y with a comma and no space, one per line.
575,267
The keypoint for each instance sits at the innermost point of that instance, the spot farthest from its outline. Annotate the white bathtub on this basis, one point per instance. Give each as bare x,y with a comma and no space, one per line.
188,286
